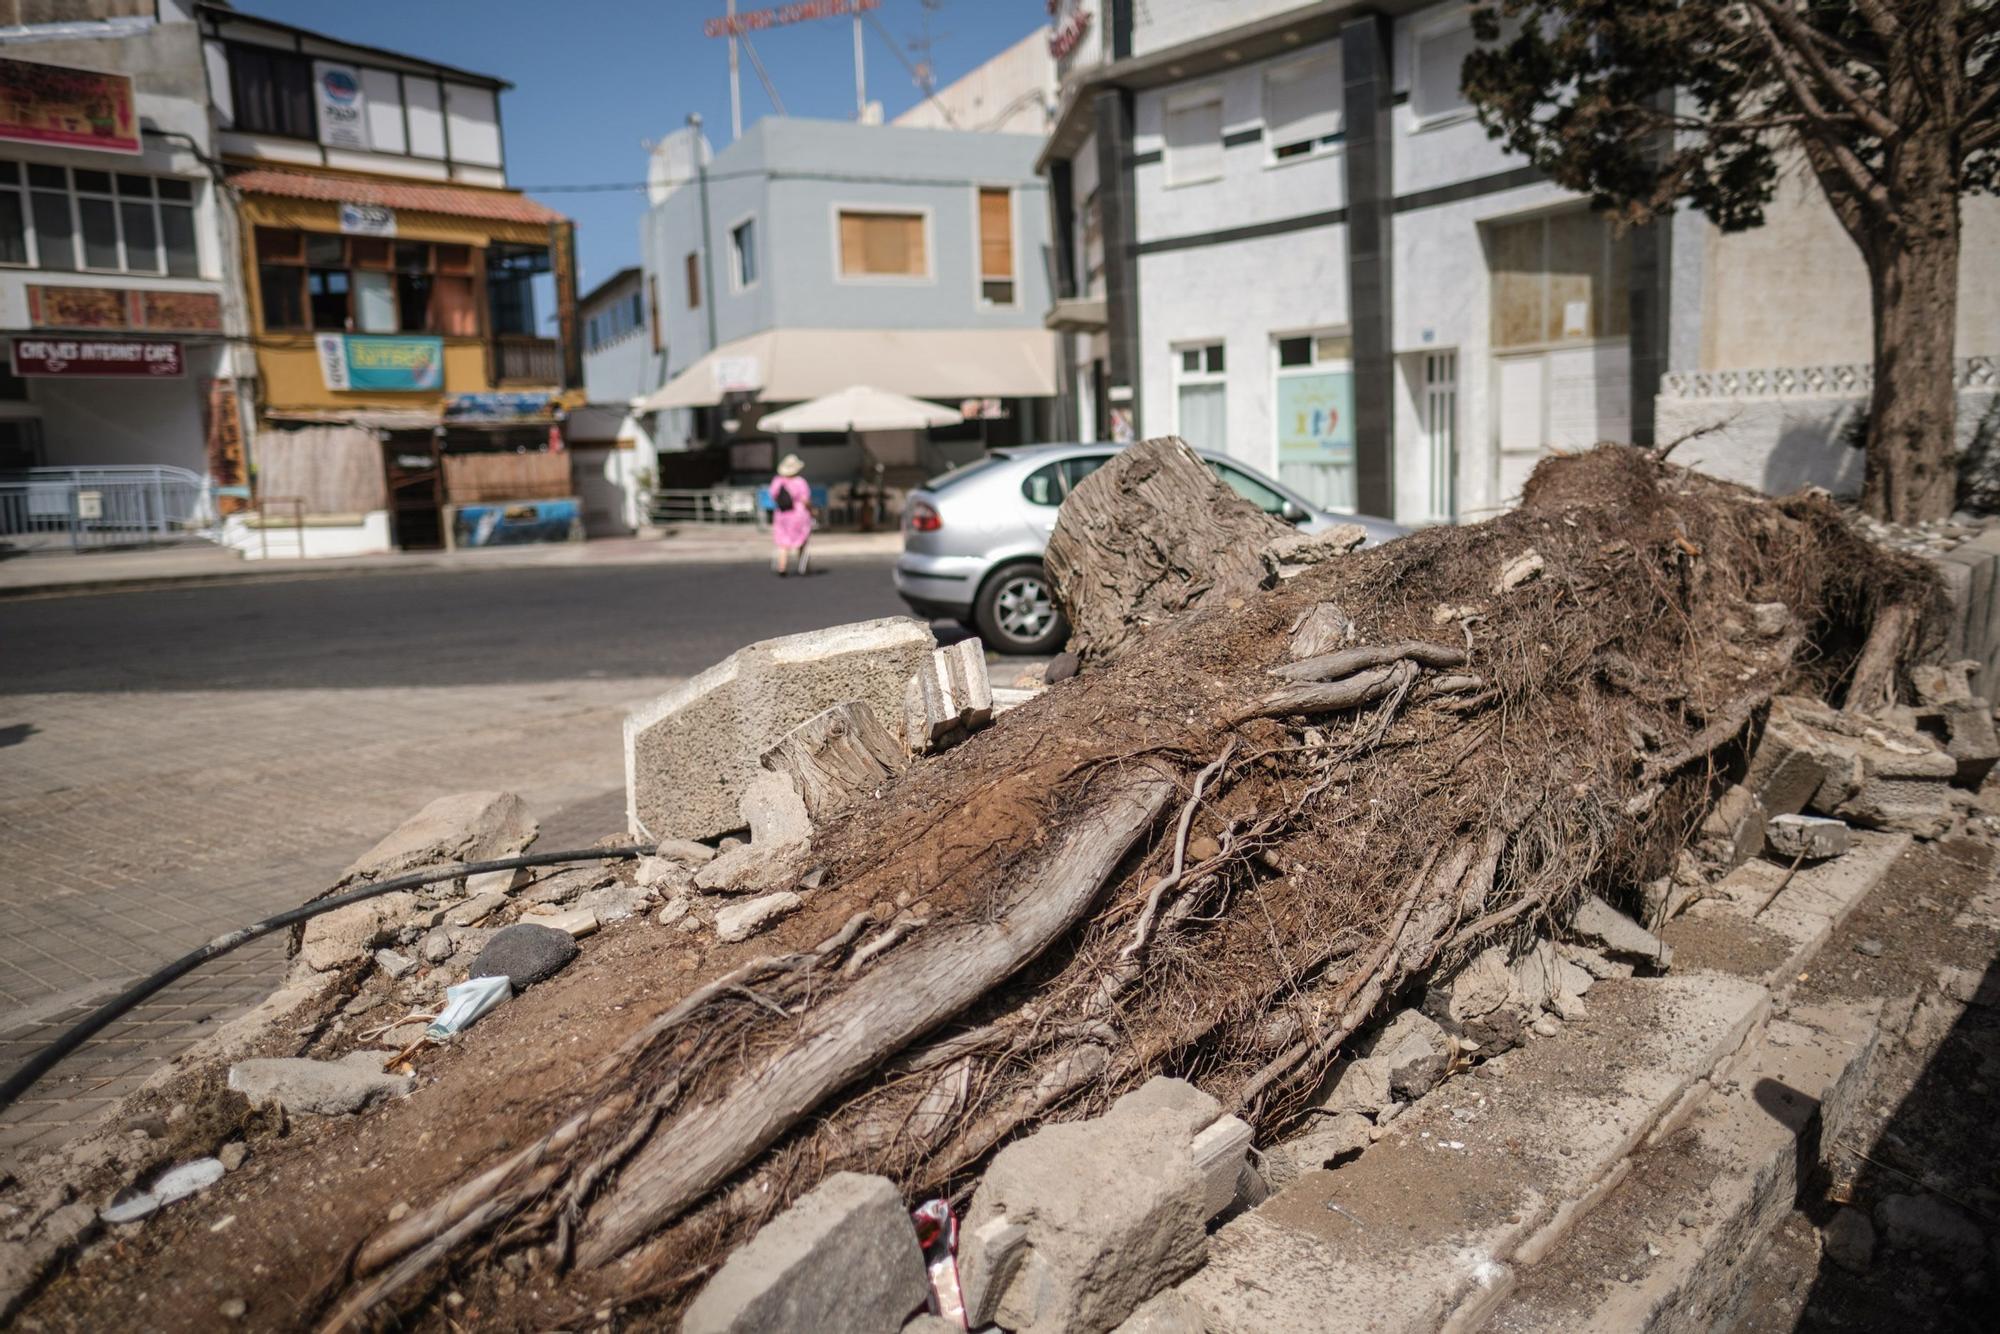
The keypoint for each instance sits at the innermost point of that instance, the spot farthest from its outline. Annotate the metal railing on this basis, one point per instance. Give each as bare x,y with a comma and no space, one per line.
117,505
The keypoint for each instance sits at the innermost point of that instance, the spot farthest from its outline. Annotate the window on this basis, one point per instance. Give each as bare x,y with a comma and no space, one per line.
996,246
653,301
511,270
1302,105
272,92
1194,141
1439,418
1313,416
693,267
364,284
882,245
638,311
1200,401
743,253
1266,498
1093,244
1556,279
1051,483
65,219
1436,59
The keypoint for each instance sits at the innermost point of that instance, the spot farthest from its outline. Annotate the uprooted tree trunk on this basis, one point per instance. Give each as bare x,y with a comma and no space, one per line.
1156,536
1215,854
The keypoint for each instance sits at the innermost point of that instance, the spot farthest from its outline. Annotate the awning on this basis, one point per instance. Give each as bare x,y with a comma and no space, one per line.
462,201
791,365
859,408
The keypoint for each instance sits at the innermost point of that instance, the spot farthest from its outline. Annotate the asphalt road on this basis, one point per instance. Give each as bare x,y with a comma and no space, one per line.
426,629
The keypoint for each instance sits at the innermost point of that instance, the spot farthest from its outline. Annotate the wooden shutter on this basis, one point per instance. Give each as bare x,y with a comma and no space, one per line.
996,234
879,244
693,280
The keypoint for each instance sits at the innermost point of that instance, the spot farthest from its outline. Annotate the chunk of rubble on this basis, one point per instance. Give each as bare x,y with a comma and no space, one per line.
690,753
1359,1086
1292,554
740,921
1416,1051
844,1256
774,813
1169,1312
1866,771
685,851
348,935
1770,619
1944,682
395,966
1598,923
497,882
751,867
475,909
1325,1141
666,876
614,903
564,886
947,697
1077,1225
1733,831
1522,568
314,1088
464,827
1321,630
1813,838
576,923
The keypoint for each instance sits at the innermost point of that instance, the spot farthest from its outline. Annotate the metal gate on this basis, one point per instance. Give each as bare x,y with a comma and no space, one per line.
122,505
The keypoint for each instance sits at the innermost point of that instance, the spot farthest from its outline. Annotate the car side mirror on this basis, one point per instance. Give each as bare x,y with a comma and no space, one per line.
1293,514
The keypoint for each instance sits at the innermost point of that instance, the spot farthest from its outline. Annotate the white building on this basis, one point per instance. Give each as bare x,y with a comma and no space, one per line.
1013,93
1280,231
116,250
612,452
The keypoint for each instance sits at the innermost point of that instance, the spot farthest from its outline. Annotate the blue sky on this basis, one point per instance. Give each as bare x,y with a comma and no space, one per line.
595,79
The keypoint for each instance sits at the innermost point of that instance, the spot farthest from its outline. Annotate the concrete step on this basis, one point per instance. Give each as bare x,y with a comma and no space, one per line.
1671,1250
1491,1173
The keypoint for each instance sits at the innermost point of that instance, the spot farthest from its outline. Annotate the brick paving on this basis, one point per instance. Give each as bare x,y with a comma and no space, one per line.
133,827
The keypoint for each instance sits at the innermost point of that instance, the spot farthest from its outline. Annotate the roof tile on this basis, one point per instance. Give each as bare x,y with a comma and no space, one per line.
455,200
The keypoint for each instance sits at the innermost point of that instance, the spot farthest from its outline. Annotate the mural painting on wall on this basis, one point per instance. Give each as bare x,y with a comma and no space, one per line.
225,444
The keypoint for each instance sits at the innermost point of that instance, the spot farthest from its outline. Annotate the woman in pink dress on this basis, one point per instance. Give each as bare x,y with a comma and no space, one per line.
791,513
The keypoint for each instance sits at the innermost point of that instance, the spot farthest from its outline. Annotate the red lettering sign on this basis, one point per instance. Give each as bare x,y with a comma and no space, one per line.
756,20
145,358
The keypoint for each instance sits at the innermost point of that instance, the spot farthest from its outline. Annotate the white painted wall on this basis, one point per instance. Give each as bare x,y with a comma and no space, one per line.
1242,294
1163,23
1013,93
1254,187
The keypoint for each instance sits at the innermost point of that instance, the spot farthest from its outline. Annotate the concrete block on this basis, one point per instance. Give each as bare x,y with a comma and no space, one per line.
465,827
690,754
1790,762
475,909
774,812
1969,739
844,1256
1733,831
1219,1154
345,935
1109,1211
1813,837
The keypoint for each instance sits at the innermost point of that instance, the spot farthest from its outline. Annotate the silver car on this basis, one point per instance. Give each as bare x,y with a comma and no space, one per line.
973,538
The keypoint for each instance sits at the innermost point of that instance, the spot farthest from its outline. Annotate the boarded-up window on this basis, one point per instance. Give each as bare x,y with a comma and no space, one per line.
882,245
1563,278
693,266
996,246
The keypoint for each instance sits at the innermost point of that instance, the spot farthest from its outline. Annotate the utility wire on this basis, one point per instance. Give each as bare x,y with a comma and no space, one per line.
48,1057
851,177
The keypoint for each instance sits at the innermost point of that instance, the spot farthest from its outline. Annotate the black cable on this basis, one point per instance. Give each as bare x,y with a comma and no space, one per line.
48,1057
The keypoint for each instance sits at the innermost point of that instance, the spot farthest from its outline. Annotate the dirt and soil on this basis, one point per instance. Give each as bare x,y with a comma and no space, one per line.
1356,852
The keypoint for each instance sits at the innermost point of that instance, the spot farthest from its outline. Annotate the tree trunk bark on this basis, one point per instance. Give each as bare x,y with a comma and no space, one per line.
1913,280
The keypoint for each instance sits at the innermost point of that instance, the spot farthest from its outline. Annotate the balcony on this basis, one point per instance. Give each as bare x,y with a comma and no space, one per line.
519,359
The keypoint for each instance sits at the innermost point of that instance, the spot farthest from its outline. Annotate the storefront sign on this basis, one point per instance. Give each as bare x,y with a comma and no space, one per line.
733,374
145,358
1069,20
756,20
396,365
343,113
367,220
78,108
123,308
497,407
1316,418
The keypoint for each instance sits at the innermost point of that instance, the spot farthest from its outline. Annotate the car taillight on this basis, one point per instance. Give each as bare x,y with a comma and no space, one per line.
923,518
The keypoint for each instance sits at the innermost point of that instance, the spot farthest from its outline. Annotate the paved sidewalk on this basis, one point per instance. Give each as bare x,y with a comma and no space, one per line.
64,573
134,827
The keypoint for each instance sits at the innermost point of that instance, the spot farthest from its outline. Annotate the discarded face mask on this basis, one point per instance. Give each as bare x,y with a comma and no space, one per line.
464,1004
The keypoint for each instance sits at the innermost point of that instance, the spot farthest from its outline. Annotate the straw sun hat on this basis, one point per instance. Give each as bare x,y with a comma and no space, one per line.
792,466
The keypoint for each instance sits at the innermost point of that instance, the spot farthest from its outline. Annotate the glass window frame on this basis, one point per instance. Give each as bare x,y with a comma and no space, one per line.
743,271
119,194
434,261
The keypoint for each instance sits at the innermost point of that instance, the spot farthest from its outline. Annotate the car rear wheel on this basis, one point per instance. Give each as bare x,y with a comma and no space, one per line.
1016,611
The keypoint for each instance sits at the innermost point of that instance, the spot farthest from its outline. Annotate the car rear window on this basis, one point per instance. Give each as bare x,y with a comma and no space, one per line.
944,481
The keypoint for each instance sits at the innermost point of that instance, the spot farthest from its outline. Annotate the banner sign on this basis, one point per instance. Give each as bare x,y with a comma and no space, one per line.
733,374
395,365
1316,418
498,407
367,220
72,357
756,20
123,308
78,108
343,113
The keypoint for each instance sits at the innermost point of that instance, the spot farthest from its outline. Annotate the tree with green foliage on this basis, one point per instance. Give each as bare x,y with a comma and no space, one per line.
1893,104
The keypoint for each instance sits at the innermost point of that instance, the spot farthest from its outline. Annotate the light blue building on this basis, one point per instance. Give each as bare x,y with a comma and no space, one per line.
812,255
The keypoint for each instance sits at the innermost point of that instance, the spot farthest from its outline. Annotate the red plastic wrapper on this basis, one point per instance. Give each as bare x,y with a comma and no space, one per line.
937,1234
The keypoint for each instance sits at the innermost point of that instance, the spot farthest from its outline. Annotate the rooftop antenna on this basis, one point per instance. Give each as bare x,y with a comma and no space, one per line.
735,82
